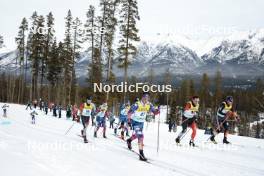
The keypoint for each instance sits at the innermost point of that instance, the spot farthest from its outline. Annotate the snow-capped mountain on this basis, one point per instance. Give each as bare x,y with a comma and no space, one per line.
239,48
241,53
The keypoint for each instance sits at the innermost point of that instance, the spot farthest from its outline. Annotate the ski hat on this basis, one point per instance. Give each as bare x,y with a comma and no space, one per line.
89,98
229,98
145,94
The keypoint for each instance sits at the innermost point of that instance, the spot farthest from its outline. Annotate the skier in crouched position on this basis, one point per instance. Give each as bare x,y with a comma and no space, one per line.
190,115
138,111
224,113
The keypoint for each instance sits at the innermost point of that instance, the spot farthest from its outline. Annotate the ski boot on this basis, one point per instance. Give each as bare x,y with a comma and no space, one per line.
212,138
177,140
142,156
104,136
85,139
191,143
225,141
129,146
127,134
95,134
122,135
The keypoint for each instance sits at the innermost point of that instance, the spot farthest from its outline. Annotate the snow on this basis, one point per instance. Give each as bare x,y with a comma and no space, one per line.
44,150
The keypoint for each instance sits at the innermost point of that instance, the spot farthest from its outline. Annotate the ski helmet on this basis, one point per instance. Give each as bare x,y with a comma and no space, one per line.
229,98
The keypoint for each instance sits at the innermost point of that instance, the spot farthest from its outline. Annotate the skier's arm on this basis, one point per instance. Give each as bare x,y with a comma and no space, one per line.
132,109
81,108
154,110
187,111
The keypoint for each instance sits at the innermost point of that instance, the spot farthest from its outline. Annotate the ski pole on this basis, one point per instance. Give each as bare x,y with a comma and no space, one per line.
69,128
219,127
158,135
185,134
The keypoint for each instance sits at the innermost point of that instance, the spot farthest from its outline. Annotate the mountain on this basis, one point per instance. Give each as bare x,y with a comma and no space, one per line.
239,54
43,149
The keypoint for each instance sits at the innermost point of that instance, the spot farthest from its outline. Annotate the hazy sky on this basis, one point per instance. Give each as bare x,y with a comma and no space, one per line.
191,17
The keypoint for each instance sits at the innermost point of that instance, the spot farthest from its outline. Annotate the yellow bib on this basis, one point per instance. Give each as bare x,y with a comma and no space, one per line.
194,108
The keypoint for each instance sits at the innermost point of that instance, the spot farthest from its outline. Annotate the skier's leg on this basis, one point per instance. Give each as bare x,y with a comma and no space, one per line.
184,128
104,129
226,129
194,128
140,137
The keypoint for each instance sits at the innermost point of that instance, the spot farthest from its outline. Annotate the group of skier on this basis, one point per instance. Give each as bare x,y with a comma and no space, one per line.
190,117
132,117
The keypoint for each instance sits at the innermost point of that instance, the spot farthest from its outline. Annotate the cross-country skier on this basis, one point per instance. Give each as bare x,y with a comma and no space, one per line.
29,105
33,113
224,112
122,124
111,120
54,108
74,112
60,109
101,119
35,103
68,111
189,118
46,107
86,110
137,113
4,107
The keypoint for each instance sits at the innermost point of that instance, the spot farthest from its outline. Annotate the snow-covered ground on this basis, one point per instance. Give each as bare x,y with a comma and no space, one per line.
44,150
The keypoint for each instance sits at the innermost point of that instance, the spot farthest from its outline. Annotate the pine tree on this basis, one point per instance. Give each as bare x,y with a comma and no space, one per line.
68,61
110,28
129,34
49,37
54,69
36,48
204,92
21,47
218,88
94,68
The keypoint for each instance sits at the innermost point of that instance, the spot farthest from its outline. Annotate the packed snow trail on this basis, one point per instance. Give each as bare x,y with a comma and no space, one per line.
44,150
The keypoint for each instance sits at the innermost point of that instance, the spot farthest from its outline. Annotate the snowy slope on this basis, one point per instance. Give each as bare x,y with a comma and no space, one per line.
44,150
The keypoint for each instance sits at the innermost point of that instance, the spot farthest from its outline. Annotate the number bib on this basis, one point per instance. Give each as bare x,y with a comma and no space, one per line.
86,112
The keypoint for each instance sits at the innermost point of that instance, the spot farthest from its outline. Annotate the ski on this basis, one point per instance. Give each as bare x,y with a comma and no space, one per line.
133,151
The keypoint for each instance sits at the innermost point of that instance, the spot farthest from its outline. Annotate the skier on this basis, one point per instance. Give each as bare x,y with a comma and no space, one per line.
60,109
86,110
112,120
224,112
4,107
46,107
137,114
74,113
33,113
122,124
29,105
68,111
101,119
54,110
189,117
35,102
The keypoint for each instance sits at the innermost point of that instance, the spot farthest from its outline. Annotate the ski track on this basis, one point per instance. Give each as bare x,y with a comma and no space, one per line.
101,156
